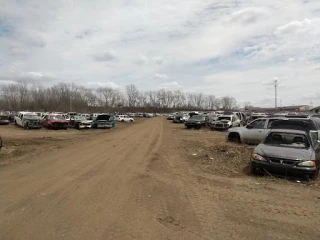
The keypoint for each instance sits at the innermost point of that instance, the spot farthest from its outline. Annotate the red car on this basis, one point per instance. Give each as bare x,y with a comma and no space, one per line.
55,121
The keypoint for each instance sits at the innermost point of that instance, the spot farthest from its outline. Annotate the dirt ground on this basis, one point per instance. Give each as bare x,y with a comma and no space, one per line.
148,180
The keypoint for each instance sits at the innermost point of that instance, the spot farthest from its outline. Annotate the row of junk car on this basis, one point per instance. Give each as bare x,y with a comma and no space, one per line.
59,120
286,144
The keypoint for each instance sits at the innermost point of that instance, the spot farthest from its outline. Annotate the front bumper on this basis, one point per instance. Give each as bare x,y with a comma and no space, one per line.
193,124
104,125
83,126
282,169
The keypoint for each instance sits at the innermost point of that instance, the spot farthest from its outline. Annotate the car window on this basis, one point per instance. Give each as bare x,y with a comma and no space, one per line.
271,121
285,139
258,124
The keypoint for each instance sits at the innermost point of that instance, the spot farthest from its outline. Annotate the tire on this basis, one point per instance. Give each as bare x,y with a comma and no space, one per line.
15,123
234,137
188,127
26,126
122,120
50,127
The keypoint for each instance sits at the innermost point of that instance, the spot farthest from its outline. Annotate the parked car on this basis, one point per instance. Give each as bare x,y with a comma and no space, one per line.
55,121
289,152
103,121
256,130
225,122
210,119
170,116
181,118
80,122
123,118
196,121
4,118
28,120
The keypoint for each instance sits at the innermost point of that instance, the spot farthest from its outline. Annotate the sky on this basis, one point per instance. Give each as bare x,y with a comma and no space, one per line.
221,47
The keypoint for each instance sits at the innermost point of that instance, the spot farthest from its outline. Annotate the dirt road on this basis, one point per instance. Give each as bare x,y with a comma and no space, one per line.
140,182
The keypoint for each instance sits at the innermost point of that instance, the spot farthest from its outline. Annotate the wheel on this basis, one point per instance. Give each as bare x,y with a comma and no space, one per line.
65,128
188,127
49,127
26,126
122,120
131,120
234,137
15,123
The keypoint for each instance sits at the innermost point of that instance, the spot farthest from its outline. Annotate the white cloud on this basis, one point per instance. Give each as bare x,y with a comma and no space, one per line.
103,84
106,56
298,26
141,59
249,15
158,60
170,85
160,76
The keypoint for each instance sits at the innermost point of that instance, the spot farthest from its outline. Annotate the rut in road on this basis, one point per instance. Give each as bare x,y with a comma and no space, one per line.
98,189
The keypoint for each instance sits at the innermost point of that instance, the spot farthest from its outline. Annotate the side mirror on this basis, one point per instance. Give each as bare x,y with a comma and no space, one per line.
249,126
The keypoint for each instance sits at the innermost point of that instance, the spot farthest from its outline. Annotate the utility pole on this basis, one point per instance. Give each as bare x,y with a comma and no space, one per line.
275,93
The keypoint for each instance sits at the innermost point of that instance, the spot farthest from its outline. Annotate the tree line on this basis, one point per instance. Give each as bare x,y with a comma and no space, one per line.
67,97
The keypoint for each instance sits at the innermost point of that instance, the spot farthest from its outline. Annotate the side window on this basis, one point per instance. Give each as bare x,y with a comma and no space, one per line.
270,122
258,124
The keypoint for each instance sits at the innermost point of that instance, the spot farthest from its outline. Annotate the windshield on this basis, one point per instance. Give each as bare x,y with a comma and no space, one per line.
33,116
103,117
80,118
197,117
283,139
56,117
225,118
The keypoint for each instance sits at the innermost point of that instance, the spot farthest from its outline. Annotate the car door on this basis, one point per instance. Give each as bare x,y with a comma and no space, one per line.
256,131
45,120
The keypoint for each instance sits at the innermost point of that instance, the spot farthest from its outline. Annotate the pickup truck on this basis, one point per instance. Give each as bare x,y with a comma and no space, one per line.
28,120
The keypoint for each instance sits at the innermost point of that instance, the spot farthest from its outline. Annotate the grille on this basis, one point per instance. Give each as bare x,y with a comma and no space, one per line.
282,161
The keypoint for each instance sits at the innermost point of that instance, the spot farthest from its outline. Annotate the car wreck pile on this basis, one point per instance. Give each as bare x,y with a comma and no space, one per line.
287,144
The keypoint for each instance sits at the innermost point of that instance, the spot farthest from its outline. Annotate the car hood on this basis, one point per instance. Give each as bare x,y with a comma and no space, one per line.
223,121
33,119
284,152
235,129
84,121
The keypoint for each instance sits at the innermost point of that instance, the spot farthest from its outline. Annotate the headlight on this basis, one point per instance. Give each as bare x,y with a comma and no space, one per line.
307,164
257,157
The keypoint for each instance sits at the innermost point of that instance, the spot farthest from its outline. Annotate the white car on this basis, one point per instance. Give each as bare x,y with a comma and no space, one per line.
123,118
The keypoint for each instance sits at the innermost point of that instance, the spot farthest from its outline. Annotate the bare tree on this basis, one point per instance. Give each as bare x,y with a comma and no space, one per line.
132,95
228,103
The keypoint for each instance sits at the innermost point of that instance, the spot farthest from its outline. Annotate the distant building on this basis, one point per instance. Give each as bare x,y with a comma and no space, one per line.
315,110
297,108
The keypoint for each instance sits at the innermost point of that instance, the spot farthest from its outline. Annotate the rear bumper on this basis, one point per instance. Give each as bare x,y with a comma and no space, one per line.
282,169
